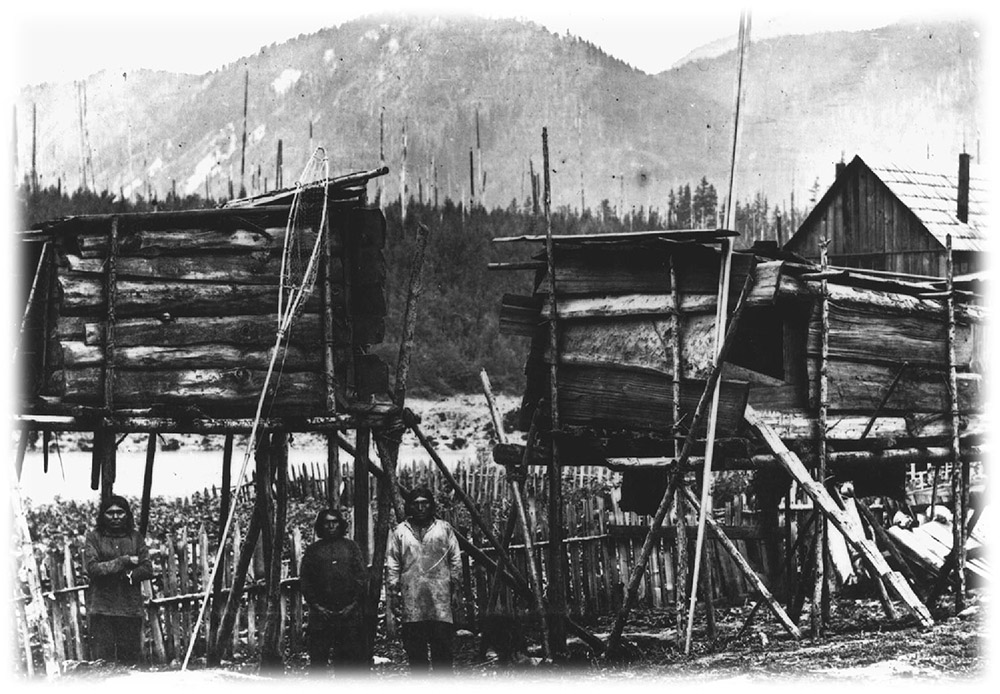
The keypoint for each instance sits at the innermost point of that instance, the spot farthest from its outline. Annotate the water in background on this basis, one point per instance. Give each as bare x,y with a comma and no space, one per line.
175,473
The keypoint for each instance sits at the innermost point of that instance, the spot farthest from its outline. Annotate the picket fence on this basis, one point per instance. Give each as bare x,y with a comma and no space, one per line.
601,548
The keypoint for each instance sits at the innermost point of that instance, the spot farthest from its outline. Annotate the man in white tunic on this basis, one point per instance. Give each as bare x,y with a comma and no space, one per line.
424,582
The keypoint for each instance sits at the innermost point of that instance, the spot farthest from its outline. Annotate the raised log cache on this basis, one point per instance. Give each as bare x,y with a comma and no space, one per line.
195,309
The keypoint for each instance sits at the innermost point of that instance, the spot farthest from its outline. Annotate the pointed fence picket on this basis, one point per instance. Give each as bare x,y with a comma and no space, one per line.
602,544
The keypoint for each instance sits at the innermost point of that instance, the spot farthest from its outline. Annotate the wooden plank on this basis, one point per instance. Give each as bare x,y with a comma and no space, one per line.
629,305
76,355
223,237
917,339
884,302
860,387
619,397
243,268
232,387
82,295
246,331
801,424
852,533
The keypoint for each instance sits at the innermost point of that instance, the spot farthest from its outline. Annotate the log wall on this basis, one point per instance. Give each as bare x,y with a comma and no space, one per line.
195,308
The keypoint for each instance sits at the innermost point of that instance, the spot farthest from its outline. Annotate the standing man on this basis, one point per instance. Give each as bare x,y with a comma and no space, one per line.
333,579
424,583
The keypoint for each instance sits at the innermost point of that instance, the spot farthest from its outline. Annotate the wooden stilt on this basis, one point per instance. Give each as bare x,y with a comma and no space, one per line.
826,505
516,581
362,491
722,301
744,566
614,640
225,502
270,650
680,522
959,471
35,610
22,448
557,554
147,483
239,580
106,460
816,613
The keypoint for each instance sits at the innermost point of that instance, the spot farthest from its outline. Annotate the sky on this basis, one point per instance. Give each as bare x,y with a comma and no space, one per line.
62,40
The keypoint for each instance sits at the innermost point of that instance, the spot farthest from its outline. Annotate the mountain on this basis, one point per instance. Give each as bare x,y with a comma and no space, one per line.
900,93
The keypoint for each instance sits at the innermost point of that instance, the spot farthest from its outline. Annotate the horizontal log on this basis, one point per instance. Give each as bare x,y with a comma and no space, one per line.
627,398
878,300
520,315
373,415
246,331
857,387
801,424
198,356
628,305
640,342
300,392
244,268
83,295
643,269
931,455
184,241
916,338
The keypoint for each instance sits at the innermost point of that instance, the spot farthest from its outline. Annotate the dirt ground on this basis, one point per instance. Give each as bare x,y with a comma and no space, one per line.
860,645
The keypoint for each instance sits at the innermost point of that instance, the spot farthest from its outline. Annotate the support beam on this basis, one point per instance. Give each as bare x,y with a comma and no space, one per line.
614,640
827,506
270,649
557,554
147,483
362,491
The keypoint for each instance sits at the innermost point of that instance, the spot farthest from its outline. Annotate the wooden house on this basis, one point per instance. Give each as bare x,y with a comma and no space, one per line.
174,315
896,219
627,302
826,375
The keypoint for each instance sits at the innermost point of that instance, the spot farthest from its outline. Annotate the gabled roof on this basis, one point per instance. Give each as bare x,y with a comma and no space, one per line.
932,197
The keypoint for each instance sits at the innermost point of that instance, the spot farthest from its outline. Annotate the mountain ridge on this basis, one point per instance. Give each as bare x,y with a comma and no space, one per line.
615,133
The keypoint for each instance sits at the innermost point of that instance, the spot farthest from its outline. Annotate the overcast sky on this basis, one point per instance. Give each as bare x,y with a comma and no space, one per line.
63,40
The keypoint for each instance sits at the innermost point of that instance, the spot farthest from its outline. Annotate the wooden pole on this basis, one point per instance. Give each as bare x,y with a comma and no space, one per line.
239,580
225,502
243,148
722,301
816,611
30,303
557,554
614,640
827,506
22,448
402,179
35,610
147,483
959,470
270,653
515,482
743,565
680,524
362,490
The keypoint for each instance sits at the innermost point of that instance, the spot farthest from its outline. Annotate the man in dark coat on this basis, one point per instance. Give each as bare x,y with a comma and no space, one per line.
333,579
116,561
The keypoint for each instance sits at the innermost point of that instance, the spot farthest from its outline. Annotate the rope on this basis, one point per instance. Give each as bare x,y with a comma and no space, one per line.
286,314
